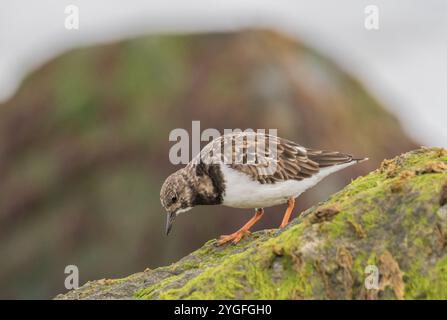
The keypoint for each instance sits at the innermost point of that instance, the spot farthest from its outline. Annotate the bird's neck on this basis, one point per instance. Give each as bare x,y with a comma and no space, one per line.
207,184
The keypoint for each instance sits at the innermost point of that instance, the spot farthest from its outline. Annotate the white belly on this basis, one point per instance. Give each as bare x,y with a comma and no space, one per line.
243,192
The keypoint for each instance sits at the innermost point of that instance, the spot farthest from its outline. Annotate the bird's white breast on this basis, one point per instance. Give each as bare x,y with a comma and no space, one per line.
243,192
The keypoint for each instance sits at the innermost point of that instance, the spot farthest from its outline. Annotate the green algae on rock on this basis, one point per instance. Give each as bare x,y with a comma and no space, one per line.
394,218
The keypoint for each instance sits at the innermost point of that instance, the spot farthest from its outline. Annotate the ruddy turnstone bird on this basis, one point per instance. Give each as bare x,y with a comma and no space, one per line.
248,170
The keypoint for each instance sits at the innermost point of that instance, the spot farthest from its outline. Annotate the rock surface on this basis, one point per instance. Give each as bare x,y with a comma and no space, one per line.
393,219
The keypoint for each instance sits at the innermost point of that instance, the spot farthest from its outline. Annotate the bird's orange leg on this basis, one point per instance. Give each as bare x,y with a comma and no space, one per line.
237,236
285,220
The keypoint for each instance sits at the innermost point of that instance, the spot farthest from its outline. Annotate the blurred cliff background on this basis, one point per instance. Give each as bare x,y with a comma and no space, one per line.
85,116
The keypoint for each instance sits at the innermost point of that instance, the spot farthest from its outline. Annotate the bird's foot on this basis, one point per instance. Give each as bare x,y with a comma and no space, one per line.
283,225
234,237
237,236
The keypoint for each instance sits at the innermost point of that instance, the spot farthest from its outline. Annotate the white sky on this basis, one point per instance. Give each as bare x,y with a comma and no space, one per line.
403,63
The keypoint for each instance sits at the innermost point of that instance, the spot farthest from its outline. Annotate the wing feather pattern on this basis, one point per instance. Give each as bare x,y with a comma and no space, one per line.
270,159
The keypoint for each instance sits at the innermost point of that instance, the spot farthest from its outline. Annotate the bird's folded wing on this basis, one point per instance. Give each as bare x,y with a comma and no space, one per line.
269,159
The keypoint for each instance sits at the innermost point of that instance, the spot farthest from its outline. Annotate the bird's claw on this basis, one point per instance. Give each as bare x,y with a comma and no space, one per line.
234,237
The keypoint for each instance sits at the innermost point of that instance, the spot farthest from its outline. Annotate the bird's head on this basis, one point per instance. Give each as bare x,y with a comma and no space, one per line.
176,197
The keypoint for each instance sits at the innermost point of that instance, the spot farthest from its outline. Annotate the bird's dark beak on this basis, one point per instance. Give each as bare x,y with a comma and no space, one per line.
169,221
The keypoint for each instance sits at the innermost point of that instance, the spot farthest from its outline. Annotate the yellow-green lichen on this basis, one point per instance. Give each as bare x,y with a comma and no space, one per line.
428,284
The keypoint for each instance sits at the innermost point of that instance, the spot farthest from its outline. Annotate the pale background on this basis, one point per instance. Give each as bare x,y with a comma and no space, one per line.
403,62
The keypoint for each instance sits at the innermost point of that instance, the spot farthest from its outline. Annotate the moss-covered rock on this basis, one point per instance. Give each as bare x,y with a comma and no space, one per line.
394,218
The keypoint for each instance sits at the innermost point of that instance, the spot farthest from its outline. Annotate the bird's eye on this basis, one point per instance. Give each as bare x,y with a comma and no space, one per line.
174,199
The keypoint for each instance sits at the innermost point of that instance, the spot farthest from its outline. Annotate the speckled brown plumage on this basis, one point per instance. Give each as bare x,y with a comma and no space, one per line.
251,153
